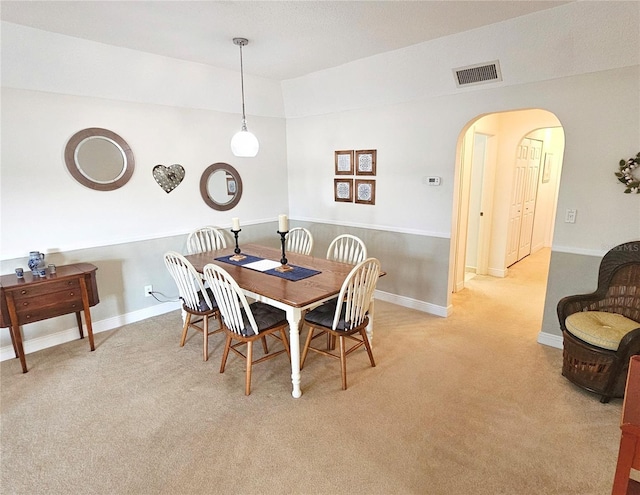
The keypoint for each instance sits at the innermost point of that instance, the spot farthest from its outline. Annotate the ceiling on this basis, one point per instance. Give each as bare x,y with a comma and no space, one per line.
287,39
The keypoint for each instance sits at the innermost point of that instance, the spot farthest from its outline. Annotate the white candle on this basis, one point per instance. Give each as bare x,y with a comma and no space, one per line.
236,223
283,223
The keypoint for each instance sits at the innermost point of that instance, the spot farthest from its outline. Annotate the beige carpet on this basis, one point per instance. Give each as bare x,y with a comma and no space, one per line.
469,404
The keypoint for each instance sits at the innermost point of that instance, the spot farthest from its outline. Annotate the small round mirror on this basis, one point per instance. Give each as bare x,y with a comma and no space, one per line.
221,186
99,159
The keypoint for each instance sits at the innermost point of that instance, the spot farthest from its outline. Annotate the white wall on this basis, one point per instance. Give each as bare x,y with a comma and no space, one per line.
167,111
576,38
43,61
579,61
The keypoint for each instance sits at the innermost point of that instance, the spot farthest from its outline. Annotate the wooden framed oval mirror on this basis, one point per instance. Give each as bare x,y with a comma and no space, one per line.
221,186
99,159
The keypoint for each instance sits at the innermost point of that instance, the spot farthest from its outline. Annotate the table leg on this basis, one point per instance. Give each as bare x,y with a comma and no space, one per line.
87,311
79,321
16,335
294,316
623,468
369,328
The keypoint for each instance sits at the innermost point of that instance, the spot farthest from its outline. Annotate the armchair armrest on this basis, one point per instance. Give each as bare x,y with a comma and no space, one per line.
574,304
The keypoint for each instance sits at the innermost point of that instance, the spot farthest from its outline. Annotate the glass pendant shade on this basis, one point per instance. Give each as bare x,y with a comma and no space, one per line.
244,143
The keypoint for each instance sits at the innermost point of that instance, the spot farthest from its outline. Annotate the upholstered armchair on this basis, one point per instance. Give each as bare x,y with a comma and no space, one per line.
601,330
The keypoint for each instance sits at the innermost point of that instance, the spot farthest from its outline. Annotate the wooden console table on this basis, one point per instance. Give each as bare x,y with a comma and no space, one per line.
71,289
629,454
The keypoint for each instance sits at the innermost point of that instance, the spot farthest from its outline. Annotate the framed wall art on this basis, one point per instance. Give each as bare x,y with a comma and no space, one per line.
231,185
344,162
365,191
365,162
343,190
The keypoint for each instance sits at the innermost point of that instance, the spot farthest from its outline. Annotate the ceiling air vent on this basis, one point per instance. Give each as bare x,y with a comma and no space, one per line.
479,73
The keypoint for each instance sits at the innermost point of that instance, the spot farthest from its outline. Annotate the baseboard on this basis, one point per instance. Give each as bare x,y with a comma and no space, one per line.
410,303
46,341
495,272
550,340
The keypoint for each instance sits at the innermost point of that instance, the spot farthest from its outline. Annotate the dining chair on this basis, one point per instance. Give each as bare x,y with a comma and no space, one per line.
206,239
197,301
347,248
245,323
345,317
299,240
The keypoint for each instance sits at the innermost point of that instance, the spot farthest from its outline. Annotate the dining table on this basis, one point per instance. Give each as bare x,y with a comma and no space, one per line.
295,297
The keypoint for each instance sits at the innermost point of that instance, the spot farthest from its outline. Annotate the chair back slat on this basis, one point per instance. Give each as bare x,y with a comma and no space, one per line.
205,239
347,248
356,293
187,279
299,240
230,298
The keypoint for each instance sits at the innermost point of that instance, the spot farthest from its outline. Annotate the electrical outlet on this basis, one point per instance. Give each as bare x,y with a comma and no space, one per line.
148,289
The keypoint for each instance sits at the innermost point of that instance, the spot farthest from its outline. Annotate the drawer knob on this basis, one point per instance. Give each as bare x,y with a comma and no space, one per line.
23,292
71,294
25,304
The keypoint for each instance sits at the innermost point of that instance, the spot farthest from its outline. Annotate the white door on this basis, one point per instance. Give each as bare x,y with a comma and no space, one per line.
523,200
517,202
530,194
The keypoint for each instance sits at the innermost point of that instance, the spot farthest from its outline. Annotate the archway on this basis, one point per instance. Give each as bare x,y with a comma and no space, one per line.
486,194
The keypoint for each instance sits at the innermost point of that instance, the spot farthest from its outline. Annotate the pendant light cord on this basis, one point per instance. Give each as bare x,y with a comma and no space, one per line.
244,118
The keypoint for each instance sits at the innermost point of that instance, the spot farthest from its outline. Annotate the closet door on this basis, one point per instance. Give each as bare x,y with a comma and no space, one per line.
523,200
529,201
517,202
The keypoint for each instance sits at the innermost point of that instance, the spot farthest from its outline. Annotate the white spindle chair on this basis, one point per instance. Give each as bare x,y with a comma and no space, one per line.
206,239
299,240
347,248
345,317
244,322
197,301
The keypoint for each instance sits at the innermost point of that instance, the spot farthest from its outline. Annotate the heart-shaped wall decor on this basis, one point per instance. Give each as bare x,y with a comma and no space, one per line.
168,178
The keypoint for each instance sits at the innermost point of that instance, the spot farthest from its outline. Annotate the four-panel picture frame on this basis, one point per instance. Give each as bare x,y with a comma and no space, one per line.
358,163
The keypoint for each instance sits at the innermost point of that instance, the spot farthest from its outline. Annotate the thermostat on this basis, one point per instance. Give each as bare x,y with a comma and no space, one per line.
433,181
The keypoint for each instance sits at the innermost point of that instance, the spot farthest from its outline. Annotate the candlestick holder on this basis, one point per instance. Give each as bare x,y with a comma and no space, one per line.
283,262
237,256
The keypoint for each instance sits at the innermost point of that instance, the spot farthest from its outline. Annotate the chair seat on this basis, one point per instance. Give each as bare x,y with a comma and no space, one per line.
265,315
203,307
600,328
323,315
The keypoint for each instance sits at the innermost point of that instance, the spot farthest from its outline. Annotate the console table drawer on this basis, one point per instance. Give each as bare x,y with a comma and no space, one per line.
28,313
46,289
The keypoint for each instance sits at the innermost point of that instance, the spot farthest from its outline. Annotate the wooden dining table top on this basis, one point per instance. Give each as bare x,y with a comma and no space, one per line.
297,294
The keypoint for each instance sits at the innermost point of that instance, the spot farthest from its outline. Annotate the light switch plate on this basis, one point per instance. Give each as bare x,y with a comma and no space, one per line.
570,216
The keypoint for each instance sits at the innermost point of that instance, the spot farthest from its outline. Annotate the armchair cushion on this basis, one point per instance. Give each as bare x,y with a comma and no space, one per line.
600,328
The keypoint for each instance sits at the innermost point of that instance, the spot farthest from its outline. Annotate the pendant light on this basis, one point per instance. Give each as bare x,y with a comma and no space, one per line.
243,143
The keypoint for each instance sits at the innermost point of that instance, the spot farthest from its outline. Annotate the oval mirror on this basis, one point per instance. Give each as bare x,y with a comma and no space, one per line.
221,186
99,159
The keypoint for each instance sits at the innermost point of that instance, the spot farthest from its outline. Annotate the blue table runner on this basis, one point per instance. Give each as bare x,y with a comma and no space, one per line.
298,272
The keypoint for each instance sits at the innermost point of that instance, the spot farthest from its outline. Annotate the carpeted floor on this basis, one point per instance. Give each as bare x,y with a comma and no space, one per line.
469,404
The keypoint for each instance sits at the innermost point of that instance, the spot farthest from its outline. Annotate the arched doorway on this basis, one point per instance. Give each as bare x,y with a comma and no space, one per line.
507,177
